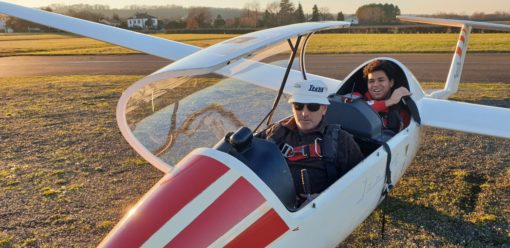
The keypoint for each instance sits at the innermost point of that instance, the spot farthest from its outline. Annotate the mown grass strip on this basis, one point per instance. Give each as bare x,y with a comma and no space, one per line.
57,44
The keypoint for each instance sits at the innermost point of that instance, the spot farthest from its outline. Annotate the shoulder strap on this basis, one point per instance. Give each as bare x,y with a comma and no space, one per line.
330,153
395,122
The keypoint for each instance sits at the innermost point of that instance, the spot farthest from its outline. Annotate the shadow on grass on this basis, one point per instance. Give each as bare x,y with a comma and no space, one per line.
453,229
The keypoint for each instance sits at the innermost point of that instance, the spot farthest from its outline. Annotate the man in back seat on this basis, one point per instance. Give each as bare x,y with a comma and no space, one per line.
308,142
384,96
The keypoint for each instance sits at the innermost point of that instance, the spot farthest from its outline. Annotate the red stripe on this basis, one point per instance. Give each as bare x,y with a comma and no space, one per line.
462,38
264,231
165,199
459,51
230,208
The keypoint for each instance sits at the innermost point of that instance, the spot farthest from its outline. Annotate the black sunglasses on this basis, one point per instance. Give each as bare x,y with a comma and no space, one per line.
312,107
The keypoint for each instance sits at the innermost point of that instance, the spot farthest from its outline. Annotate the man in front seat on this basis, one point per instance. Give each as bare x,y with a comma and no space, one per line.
308,142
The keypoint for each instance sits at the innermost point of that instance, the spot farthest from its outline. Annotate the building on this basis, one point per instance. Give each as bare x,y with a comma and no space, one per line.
140,21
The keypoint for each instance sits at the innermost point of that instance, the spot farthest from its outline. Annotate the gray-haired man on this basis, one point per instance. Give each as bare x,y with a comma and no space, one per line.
308,142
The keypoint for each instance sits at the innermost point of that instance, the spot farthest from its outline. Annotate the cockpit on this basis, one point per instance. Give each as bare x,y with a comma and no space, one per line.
217,96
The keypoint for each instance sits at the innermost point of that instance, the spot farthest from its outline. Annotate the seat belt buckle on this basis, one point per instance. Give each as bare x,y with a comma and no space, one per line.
287,150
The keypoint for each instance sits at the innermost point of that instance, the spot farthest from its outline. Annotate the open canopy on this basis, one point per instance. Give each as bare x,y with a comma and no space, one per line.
195,101
224,53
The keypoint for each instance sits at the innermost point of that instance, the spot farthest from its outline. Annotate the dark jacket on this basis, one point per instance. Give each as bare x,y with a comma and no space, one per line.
347,156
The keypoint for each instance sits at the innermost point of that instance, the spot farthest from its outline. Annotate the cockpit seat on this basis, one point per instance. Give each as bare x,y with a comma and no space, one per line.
265,159
355,116
358,118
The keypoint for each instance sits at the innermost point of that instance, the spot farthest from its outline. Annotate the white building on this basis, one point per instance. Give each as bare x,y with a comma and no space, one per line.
140,20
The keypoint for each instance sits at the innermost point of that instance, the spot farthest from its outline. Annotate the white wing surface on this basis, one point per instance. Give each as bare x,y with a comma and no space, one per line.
466,117
455,23
160,47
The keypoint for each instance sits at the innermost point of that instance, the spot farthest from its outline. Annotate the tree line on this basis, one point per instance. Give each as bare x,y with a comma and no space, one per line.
252,16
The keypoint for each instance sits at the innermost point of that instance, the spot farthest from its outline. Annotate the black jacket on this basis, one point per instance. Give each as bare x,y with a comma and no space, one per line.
348,153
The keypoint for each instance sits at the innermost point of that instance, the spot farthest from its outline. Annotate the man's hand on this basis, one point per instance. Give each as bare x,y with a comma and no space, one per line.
397,95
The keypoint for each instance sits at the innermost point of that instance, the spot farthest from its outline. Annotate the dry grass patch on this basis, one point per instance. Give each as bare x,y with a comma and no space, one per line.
67,175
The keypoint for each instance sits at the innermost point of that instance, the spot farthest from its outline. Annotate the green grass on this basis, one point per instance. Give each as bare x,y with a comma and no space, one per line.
55,44
405,43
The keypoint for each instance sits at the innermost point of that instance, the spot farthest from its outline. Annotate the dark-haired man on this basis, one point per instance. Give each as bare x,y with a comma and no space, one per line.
380,75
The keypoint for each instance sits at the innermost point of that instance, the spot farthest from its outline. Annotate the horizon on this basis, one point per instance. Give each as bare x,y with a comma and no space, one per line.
466,7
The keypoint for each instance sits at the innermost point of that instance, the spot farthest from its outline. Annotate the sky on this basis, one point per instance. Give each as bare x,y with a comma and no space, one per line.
334,6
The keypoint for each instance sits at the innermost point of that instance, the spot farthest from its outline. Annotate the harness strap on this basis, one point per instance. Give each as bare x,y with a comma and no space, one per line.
331,154
301,152
392,120
388,187
389,184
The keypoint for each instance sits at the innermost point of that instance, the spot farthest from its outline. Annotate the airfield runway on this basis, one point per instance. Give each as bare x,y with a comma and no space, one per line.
489,67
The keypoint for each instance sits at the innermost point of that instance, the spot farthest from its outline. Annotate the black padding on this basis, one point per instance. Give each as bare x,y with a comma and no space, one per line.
266,160
356,117
241,139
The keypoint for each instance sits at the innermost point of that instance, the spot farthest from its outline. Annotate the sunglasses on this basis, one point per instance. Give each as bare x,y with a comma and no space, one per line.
312,107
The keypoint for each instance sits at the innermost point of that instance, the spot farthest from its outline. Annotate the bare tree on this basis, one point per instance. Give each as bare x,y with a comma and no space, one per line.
325,15
250,16
198,17
270,15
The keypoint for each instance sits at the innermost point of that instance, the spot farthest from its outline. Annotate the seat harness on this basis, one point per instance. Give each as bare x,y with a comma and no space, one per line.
302,152
324,149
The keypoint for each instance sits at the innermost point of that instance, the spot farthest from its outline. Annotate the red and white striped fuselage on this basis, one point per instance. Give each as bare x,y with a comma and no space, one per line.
211,199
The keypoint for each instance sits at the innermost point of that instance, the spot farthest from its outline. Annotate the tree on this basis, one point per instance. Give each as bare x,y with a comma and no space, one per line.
198,17
299,15
286,13
269,19
315,13
85,15
116,17
377,13
250,16
49,9
149,24
176,24
219,22
340,16
325,15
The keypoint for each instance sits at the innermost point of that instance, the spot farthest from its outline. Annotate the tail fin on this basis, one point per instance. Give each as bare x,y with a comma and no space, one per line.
453,79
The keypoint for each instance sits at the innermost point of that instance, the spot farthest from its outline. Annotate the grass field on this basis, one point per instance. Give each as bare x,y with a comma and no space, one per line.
56,44
67,176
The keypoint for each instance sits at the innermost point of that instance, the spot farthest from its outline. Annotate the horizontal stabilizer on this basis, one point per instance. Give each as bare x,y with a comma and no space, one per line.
455,23
466,117
156,46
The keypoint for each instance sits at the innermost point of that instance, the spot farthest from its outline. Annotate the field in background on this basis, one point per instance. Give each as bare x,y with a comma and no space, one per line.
56,44
67,176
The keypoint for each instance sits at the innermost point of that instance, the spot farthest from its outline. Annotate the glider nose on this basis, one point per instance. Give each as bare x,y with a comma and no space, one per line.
165,202
202,203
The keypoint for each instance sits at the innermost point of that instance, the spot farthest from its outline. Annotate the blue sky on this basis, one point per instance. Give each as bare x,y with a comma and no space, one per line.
346,6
